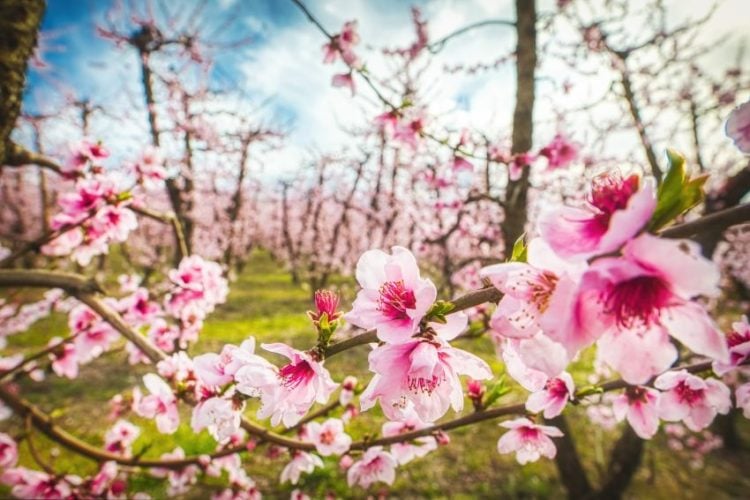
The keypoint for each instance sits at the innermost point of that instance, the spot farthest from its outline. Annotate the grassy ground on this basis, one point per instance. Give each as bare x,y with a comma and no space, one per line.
264,303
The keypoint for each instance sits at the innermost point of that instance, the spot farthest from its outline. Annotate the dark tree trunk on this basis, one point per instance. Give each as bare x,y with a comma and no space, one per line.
523,116
623,464
19,25
569,466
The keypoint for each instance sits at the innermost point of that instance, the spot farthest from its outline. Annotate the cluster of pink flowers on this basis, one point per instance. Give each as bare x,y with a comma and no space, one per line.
594,277
738,127
17,318
197,286
94,215
342,45
403,126
149,169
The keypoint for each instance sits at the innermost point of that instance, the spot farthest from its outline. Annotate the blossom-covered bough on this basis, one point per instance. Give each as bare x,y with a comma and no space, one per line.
635,296
617,277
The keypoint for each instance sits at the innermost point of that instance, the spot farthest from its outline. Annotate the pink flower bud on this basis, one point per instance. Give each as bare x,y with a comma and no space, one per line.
346,462
442,438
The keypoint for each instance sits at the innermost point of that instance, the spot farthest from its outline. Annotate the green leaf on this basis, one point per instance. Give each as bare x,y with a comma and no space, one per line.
589,390
677,193
438,311
519,253
495,392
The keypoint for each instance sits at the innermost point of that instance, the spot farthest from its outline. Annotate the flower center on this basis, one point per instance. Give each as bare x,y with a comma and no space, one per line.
294,374
541,289
557,388
529,433
421,384
395,299
636,395
611,193
688,395
326,437
637,300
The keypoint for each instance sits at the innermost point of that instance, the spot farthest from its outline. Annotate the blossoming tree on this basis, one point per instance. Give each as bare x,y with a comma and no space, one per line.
616,281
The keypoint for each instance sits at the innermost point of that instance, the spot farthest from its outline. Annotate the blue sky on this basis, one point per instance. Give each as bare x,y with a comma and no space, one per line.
283,63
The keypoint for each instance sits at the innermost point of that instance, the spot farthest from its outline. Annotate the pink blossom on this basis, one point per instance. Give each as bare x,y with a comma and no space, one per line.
64,359
101,483
219,415
532,361
120,437
160,405
387,121
347,390
198,286
643,296
517,163
560,152
8,451
394,298
409,131
738,127
114,222
93,336
149,169
82,153
89,196
618,208
329,437
422,372
407,451
638,354
553,398
529,440
64,244
461,164
179,480
176,368
539,295
375,465
326,302
298,495
499,154
301,382
301,463
138,309
738,341
163,334
640,406
28,483
344,80
216,370
742,396
693,400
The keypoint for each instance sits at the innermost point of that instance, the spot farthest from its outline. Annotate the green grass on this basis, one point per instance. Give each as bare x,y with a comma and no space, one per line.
265,303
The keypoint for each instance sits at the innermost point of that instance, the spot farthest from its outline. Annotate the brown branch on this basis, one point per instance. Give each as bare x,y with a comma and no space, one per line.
712,222
167,218
46,425
9,374
438,45
18,156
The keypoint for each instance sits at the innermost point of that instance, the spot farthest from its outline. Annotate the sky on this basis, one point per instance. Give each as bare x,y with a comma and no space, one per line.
281,66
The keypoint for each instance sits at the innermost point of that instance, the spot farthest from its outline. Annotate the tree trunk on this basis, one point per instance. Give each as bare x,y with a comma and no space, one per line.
568,463
623,464
19,25
523,116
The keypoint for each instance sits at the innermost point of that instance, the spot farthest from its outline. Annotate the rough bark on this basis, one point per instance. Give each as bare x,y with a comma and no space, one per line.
729,195
523,128
19,25
568,463
623,464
